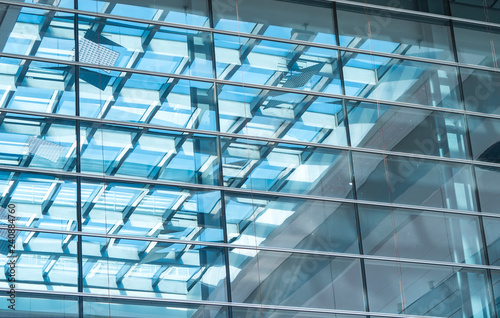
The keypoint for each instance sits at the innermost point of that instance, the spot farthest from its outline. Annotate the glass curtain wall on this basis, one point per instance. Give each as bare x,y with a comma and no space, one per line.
250,158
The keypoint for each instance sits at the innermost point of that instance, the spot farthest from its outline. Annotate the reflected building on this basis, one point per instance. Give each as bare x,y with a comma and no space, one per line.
250,158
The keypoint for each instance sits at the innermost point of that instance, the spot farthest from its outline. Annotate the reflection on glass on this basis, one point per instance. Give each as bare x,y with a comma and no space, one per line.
428,290
257,165
403,129
487,186
414,181
37,142
486,10
297,280
153,269
45,261
291,223
37,86
484,135
143,47
496,288
477,44
276,114
148,153
371,29
420,234
383,78
40,306
38,201
99,308
279,19
284,65
151,211
481,90
269,313
37,32
492,235
431,6
192,12
146,99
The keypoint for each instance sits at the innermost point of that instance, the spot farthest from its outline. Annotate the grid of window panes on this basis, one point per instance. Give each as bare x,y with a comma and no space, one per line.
250,158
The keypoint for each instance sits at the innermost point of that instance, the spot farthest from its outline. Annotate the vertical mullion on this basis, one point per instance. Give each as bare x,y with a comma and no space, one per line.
219,160
351,165
78,166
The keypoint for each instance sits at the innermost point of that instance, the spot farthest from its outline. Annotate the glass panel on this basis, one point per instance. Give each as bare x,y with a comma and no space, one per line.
383,78
151,211
37,142
193,12
39,306
427,290
496,289
284,65
485,10
37,32
403,129
477,44
37,201
389,32
99,308
414,181
153,269
144,47
276,114
487,186
148,153
279,19
41,261
257,165
37,86
270,221
431,6
481,90
484,135
269,313
146,99
55,3
491,226
420,234
298,280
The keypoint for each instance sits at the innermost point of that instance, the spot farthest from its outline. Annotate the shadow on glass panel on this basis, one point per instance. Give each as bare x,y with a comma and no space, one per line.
291,223
427,290
284,65
421,234
40,306
151,211
257,165
153,269
276,114
404,129
390,32
414,181
279,19
298,280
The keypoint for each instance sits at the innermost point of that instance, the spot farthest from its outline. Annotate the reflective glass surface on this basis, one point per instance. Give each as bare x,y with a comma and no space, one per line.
427,290
151,211
431,6
410,130
414,181
274,114
487,186
485,138
477,44
387,79
295,280
492,235
257,165
284,65
279,19
291,223
421,234
373,30
481,90
486,10
40,306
